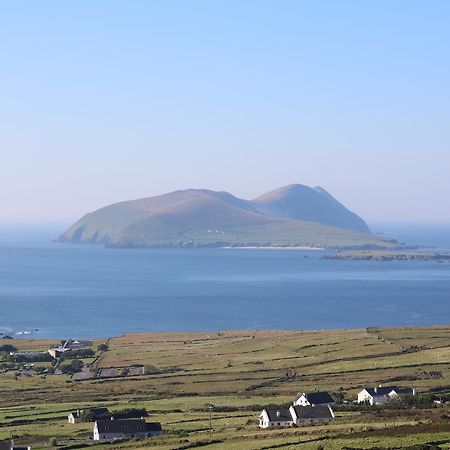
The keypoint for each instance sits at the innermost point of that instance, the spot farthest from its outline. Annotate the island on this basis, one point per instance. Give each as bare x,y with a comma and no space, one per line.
295,216
383,255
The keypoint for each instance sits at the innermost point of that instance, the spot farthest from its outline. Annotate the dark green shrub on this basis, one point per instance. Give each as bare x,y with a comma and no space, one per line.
130,413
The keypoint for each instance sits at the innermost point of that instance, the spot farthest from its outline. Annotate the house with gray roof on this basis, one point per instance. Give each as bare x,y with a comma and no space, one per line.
111,430
280,417
309,415
313,399
69,345
275,418
90,414
383,394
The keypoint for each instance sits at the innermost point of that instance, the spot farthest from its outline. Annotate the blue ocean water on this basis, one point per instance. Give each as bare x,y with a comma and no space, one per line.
62,290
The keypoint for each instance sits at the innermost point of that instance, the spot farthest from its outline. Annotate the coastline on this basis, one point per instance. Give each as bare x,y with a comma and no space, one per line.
213,334
272,248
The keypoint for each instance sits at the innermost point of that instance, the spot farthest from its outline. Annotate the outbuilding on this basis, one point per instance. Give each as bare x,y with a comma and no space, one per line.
92,413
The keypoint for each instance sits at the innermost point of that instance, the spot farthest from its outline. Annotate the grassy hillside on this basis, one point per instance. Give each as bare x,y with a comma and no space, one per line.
301,202
157,232
201,218
239,373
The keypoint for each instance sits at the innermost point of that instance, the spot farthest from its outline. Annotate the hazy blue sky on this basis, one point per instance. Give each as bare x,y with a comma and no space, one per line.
102,101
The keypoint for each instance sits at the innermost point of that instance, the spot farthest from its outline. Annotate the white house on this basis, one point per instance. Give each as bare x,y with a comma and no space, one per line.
94,413
74,416
110,430
307,415
69,345
275,418
400,393
383,394
313,399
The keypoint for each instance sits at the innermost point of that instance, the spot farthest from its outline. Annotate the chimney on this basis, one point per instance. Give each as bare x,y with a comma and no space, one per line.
375,390
112,417
278,413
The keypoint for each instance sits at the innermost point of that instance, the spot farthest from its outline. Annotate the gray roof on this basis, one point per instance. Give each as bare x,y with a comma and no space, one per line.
404,391
313,412
6,445
385,390
127,426
279,415
379,391
318,398
153,426
76,343
98,411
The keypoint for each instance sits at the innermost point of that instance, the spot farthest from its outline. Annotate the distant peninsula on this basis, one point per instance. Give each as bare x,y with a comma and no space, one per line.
291,216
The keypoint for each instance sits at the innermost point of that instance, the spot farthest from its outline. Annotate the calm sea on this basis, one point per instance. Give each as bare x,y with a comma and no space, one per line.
58,290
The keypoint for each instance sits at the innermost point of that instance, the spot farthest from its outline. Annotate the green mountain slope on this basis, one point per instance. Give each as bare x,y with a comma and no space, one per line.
311,204
198,217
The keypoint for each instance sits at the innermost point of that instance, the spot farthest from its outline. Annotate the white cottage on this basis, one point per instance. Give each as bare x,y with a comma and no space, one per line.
309,415
275,418
383,394
91,413
313,399
111,430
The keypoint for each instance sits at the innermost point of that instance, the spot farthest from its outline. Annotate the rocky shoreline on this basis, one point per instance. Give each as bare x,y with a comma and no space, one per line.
387,256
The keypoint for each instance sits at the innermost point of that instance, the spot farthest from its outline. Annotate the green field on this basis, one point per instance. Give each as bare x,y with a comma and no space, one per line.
239,373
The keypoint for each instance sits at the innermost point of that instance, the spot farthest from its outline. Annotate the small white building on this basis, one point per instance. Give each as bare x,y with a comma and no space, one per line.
383,394
94,413
74,417
313,399
69,345
275,418
111,430
310,415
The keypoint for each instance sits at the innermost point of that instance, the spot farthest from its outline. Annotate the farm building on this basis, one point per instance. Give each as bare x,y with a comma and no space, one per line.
110,430
69,345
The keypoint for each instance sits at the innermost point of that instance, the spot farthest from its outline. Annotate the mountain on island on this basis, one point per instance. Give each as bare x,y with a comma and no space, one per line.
294,215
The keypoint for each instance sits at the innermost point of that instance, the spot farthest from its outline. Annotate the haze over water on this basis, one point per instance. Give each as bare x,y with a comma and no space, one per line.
90,291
